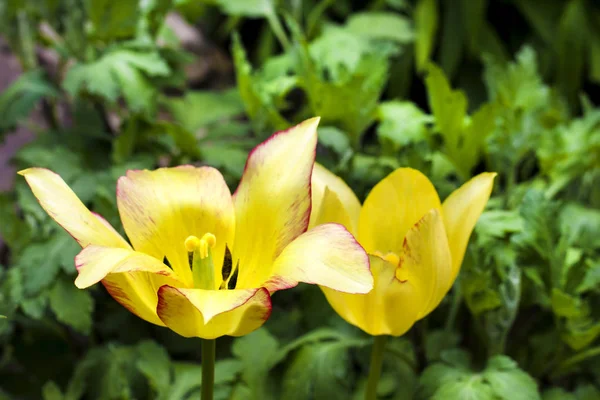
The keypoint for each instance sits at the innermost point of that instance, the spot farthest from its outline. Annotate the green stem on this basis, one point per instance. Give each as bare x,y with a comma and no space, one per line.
208,368
278,31
375,368
454,306
564,366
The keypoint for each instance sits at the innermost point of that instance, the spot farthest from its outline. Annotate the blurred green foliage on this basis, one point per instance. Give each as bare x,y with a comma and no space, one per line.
449,87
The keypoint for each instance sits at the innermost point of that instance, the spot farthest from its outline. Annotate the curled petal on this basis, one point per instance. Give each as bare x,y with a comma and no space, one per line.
160,209
333,200
391,308
209,314
59,201
327,255
461,212
272,202
131,278
393,206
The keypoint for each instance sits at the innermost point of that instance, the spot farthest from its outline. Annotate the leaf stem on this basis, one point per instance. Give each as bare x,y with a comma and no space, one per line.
375,367
208,368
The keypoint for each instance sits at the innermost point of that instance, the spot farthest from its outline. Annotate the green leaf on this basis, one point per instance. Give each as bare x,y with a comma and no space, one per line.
426,22
199,109
35,307
51,391
258,102
558,394
591,279
517,85
571,41
19,99
154,363
112,20
72,306
497,224
508,382
452,42
257,352
41,262
187,377
334,138
501,380
343,87
120,72
565,305
381,25
248,8
438,341
318,369
401,124
226,156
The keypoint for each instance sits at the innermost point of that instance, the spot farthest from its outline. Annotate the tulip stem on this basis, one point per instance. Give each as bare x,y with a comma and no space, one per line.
375,368
208,368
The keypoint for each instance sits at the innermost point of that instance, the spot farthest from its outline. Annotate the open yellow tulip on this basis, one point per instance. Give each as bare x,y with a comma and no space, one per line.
204,263
416,244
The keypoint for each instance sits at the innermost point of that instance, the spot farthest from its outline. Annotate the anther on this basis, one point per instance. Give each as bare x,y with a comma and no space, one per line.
191,243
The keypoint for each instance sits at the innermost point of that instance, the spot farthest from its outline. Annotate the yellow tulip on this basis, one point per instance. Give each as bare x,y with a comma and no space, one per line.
415,243
204,262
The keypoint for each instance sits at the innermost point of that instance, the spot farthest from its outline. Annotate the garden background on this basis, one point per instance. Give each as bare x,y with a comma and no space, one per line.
92,88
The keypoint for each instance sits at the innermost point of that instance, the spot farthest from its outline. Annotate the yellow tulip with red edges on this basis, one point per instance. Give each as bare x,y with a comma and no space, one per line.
204,262
416,244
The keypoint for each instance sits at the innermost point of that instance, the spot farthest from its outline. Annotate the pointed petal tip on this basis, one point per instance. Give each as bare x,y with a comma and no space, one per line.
31,170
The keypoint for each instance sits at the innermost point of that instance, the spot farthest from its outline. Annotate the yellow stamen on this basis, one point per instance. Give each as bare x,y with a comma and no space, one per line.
201,260
390,257
191,243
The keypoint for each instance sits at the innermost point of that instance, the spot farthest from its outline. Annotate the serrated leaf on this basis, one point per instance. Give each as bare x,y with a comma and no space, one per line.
318,369
501,380
72,306
120,72
401,123
508,382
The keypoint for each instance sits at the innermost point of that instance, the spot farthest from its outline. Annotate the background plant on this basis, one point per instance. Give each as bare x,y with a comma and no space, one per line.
448,87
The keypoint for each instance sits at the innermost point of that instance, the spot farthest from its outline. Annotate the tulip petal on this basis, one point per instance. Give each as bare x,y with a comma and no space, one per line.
209,314
59,201
426,261
272,202
333,200
131,278
327,255
462,210
161,208
391,308
394,205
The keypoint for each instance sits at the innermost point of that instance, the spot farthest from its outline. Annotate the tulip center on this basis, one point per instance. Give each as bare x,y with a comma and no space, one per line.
201,260
200,256
391,257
